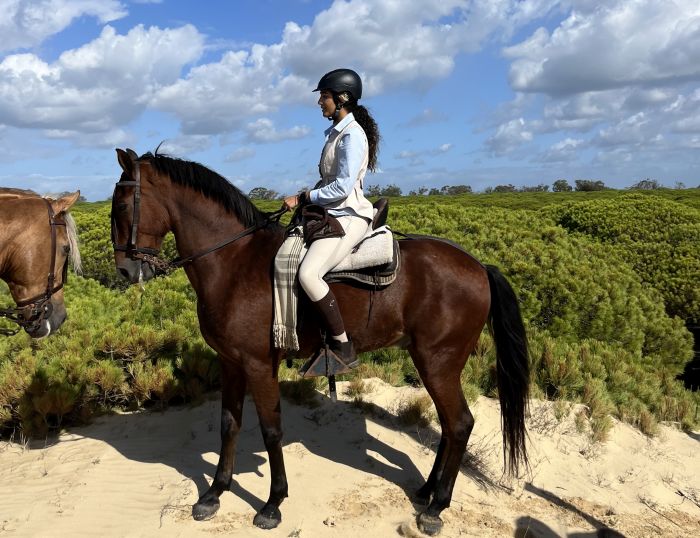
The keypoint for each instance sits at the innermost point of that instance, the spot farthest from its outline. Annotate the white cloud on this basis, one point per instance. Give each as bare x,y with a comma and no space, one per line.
618,43
391,44
263,131
509,136
184,145
562,151
107,139
26,23
99,86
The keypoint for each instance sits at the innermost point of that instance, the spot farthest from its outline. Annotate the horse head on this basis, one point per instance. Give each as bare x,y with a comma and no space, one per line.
139,218
38,237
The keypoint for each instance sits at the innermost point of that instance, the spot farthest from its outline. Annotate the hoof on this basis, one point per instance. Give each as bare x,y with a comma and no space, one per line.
430,525
204,510
268,518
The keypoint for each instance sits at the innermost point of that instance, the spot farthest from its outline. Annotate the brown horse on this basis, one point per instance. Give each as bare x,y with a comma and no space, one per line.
436,309
37,236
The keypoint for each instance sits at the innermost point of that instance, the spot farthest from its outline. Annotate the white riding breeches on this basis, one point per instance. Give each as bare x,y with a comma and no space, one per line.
324,254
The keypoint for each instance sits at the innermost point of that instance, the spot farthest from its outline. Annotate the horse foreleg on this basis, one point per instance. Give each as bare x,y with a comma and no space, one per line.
233,385
266,394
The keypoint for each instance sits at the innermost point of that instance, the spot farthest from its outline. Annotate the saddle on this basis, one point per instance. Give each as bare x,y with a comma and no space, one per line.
376,259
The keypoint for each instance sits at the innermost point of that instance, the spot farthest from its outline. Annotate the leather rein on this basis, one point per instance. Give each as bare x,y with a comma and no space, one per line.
29,314
149,255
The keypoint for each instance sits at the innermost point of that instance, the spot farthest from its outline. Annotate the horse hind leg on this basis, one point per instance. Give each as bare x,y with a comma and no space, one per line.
232,396
425,492
457,423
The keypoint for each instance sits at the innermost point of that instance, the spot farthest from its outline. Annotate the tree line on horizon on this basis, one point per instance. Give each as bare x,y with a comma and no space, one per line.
560,185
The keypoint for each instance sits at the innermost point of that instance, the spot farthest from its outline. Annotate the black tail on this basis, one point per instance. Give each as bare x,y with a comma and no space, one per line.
512,366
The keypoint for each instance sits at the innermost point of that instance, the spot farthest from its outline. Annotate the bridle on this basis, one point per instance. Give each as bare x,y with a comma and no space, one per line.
29,314
132,250
149,255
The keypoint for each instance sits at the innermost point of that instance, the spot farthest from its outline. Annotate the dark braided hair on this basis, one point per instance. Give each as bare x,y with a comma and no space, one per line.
366,121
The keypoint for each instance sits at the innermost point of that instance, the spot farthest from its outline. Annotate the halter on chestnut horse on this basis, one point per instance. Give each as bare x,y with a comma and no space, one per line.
37,236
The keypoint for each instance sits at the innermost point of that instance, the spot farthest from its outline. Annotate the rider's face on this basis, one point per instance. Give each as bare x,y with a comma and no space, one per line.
325,101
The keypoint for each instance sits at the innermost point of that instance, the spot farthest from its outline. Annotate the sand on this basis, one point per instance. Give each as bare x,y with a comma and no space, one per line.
350,470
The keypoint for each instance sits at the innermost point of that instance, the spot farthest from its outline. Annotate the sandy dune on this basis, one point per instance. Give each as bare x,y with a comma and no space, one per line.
349,472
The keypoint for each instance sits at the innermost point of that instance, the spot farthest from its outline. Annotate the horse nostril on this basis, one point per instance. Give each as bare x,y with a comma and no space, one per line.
124,273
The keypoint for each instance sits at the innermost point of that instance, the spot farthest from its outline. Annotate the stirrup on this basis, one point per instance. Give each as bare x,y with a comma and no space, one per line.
326,363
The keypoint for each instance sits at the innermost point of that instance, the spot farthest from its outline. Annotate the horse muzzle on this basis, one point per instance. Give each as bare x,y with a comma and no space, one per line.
135,270
52,317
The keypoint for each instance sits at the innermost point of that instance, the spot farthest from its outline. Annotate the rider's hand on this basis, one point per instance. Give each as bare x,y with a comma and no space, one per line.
290,202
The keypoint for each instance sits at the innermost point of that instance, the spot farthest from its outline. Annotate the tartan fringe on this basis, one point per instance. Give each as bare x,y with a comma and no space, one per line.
285,337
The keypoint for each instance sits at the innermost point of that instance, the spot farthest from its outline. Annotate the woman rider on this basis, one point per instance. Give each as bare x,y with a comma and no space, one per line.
350,149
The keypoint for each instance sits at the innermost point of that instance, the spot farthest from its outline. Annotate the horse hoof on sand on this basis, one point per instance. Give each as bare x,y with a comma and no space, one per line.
205,510
268,518
430,525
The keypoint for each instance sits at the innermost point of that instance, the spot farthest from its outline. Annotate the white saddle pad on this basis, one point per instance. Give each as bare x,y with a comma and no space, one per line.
376,248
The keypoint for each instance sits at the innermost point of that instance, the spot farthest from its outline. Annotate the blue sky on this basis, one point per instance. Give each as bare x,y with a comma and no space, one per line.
469,92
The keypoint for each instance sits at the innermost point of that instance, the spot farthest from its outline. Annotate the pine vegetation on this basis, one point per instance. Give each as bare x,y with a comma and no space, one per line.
607,280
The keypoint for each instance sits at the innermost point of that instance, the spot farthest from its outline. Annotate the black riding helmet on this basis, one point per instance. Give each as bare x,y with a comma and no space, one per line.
341,80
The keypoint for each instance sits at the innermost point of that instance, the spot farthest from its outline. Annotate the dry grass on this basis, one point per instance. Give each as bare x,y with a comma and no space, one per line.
415,410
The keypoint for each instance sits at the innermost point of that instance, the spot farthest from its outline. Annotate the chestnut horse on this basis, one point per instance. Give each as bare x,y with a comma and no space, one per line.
436,309
37,236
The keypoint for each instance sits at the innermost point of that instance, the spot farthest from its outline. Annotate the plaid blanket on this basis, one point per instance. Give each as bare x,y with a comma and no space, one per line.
285,290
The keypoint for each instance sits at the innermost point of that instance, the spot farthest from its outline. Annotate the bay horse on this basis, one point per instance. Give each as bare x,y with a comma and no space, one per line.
37,237
436,309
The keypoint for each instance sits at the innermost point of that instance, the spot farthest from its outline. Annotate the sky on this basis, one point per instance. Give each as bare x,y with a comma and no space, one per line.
465,92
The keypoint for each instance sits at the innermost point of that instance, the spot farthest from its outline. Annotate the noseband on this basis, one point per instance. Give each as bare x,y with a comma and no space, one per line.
31,313
149,255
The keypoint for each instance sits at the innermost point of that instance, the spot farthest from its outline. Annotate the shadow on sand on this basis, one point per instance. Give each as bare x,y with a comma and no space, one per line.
336,432
529,527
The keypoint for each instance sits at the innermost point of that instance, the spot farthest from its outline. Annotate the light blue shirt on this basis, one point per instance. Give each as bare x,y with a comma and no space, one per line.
350,155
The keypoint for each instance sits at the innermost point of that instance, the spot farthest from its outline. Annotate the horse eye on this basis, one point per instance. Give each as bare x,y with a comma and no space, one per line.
122,206
66,249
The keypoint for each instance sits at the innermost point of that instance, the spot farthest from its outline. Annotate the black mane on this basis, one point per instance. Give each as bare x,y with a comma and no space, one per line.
199,178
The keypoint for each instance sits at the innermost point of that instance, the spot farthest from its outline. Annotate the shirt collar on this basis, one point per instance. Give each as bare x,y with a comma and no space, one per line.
341,124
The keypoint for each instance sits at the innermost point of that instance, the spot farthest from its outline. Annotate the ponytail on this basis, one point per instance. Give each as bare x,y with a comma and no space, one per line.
366,121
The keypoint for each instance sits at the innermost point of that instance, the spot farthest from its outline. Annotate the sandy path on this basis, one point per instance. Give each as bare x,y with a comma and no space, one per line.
349,472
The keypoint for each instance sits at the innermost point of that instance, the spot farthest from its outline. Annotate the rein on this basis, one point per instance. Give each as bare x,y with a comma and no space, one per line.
165,266
29,314
149,255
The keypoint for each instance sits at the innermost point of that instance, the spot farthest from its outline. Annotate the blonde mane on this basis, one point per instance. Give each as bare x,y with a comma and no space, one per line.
72,232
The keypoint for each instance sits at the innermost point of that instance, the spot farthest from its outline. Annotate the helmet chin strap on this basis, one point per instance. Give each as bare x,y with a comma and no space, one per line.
340,101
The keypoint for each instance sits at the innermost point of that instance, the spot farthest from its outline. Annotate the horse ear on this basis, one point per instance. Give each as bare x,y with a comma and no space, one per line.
125,161
64,203
132,154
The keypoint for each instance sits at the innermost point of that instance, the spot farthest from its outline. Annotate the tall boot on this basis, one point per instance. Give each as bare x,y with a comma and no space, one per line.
335,357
